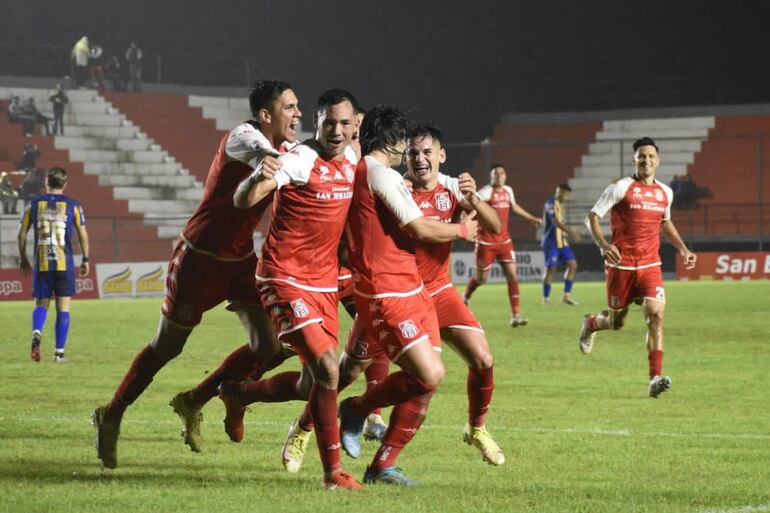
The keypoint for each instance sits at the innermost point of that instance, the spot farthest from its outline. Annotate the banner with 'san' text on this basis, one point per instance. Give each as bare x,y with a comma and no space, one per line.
727,266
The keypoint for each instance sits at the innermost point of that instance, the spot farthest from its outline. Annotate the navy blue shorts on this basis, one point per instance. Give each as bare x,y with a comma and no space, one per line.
557,256
46,284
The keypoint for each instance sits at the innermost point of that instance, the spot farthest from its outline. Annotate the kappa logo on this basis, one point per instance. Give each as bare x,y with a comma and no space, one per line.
425,205
300,308
338,176
443,203
648,194
408,329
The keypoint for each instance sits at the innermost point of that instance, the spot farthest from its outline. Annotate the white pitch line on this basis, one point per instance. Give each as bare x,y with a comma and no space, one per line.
574,431
745,509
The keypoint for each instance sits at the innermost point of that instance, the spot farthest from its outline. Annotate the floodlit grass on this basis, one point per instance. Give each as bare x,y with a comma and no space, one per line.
579,432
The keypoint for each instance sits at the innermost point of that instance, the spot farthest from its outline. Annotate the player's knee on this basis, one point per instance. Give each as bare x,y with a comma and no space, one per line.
483,360
655,318
433,376
167,348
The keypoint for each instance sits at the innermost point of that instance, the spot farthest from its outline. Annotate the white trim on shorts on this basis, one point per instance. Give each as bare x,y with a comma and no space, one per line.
389,294
464,327
645,298
309,288
627,268
492,243
301,325
411,344
435,292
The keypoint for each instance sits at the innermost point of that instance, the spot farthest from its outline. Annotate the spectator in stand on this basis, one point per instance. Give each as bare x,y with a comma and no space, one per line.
80,53
134,58
29,156
59,100
688,193
113,74
30,109
9,196
96,66
33,184
676,188
17,114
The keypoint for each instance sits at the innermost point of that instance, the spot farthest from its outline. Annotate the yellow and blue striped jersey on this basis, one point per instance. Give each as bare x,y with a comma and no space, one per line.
553,236
54,217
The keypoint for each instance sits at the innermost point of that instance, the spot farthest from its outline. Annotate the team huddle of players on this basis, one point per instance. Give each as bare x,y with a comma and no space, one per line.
339,195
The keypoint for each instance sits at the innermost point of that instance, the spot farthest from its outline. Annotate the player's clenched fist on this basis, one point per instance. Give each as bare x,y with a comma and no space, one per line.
270,166
467,184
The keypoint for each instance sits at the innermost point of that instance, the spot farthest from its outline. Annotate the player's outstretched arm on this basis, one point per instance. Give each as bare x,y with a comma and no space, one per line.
255,187
672,234
430,230
610,252
84,249
526,215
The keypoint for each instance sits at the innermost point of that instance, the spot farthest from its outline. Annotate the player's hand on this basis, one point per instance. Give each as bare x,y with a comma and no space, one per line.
575,236
409,185
467,185
270,166
611,254
689,259
85,268
537,222
473,227
26,269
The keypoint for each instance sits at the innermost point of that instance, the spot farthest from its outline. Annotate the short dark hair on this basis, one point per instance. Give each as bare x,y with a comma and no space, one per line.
382,129
565,187
493,166
425,130
56,177
264,93
335,97
645,141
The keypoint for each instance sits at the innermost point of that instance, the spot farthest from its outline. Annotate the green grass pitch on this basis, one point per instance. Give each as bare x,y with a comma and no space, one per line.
578,431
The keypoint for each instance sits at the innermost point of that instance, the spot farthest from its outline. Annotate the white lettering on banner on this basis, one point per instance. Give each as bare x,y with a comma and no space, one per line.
84,284
530,267
737,265
9,287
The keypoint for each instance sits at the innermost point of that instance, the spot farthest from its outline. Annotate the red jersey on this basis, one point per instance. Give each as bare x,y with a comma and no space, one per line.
502,200
217,227
310,208
381,253
443,204
636,213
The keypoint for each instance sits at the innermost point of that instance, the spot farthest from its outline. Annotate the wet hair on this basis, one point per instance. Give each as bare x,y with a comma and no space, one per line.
382,129
56,177
335,97
425,130
565,187
645,141
264,93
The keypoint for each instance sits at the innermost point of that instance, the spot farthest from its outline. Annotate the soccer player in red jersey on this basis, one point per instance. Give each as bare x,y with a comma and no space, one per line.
393,304
297,275
498,246
640,208
213,261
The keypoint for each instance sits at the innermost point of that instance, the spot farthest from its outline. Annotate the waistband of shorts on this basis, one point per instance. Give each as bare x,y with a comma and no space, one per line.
189,246
389,294
309,288
441,288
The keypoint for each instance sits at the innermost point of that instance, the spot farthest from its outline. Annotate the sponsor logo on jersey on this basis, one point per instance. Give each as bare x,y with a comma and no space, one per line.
443,203
324,174
408,329
338,176
425,205
300,308
637,191
648,194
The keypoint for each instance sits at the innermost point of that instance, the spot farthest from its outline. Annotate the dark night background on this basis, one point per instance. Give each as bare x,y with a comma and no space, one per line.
461,64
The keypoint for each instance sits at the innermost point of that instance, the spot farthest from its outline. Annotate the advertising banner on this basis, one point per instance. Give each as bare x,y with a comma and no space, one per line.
727,266
530,267
15,286
132,279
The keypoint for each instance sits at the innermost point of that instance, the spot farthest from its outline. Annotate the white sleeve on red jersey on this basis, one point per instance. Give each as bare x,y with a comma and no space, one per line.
350,155
248,145
485,193
296,166
670,196
509,190
453,184
611,196
388,185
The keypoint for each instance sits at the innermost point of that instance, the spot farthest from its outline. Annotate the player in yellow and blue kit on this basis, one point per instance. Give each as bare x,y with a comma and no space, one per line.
555,245
54,217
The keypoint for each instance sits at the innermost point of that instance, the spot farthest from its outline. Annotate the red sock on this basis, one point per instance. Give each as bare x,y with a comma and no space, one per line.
375,374
656,363
471,287
145,366
236,367
306,419
277,389
404,422
397,388
513,296
323,407
480,385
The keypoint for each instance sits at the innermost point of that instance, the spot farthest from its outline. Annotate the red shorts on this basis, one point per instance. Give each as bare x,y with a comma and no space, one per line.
451,312
305,319
394,324
486,254
197,283
345,285
625,287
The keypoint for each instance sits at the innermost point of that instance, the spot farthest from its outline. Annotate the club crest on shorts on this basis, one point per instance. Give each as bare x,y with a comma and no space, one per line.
300,308
443,203
408,329
615,302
